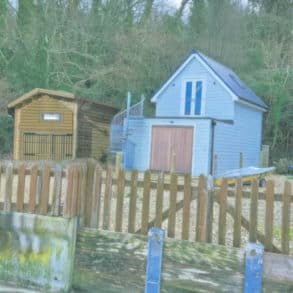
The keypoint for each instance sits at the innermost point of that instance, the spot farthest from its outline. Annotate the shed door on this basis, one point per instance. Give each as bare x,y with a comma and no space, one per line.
47,146
167,141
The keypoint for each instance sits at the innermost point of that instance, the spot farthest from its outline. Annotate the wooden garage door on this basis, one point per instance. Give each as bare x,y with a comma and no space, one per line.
171,140
47,146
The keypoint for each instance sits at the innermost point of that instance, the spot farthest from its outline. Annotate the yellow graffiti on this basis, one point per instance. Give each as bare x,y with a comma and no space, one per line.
41,257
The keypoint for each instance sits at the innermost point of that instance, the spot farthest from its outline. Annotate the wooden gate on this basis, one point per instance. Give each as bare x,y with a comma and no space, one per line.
167,141
47,146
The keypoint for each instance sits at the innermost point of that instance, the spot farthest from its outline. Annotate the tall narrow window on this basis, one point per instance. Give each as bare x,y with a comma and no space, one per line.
192,99
188,94
198,93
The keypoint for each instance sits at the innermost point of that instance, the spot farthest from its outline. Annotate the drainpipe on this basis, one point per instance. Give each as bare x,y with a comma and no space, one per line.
212,148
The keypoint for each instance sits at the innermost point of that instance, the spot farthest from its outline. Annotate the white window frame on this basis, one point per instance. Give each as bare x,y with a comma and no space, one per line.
192,106
51,117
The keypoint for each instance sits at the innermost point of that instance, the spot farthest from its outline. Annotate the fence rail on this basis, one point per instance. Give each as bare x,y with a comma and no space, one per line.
130,201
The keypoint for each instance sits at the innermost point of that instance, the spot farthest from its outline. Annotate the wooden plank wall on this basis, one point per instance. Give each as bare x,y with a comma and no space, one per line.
28,119
93,129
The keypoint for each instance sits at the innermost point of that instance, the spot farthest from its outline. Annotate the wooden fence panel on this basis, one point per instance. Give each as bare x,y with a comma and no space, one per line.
68,198
172,206
43,209
186,207
79,191
210,210
82,196
159,201
33,188
253,212
201,210
107,199
8,187
237,218
96,202
269,217
87,202
20,188
132,202
146,203
89,191
74,201
286,218
222,212
119,201
57,189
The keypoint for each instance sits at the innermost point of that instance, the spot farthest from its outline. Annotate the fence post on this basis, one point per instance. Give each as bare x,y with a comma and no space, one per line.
57,190
210,209
201,213
253,267
241,160
264,156
146,203
173,163
91,165
154,260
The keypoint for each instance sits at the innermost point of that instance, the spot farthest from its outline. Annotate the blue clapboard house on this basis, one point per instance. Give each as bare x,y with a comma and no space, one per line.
205,117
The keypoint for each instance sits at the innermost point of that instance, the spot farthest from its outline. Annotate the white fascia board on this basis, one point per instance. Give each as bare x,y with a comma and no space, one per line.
250,105
171,78
234,97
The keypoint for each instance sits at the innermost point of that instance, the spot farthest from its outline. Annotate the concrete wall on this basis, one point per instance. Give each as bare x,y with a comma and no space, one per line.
116,262
37,251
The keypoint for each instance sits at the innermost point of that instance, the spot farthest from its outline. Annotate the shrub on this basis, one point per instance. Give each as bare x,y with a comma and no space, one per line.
6,134
282,166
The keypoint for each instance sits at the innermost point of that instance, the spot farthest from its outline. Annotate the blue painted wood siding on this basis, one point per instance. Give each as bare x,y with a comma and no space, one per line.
243,136
140,135
216,102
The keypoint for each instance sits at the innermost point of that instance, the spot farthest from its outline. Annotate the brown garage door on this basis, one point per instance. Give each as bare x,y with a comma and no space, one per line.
171,140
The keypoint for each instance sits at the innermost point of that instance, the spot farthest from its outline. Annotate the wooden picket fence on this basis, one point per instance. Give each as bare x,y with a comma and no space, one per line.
129,201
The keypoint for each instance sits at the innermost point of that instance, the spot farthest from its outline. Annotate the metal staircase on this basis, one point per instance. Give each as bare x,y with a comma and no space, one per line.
120,124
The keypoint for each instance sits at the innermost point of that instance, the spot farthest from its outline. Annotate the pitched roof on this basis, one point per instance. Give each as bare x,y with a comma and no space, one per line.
38,91
225,74
62,94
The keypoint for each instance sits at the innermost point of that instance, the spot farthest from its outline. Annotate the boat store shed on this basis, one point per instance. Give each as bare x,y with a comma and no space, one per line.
58,125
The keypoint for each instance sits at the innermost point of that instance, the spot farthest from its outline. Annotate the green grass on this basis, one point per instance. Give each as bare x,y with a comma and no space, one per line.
278,233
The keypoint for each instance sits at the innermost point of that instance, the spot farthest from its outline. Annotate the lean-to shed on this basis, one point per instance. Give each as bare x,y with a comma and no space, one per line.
58,125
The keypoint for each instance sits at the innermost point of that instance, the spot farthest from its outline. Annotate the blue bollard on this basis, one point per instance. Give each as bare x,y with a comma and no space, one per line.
253,268
154,260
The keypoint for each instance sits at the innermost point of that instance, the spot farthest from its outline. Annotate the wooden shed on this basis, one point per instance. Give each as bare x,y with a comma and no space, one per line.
58,125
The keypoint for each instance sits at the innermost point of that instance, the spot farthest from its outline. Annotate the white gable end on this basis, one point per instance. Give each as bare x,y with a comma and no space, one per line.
183,70
216,100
